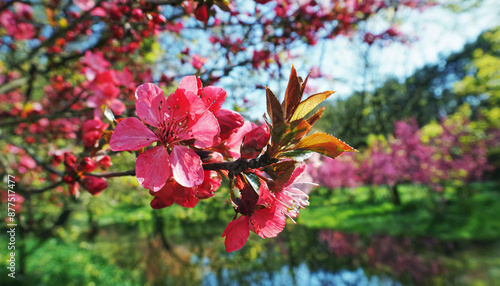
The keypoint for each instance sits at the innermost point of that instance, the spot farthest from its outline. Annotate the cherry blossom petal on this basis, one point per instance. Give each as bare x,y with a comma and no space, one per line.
152,168
190,84
186,166
98,12
213,97
269,222
205,130
236,233
254,141
229,122
185,197
93,102
131,134
94,185
177,106
85,5
157,204
234,141
211,183
117,106
151,103
166,194
297,173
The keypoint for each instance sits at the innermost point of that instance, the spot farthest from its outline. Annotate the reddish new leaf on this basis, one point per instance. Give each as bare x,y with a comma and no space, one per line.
299,129
280,172
311,120
292,94
303,85
274,108
325,144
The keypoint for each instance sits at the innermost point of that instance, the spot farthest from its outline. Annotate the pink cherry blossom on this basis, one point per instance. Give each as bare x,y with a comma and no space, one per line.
92,131
172,192
261,213
85,5
197,61
255,140
179,121
291,196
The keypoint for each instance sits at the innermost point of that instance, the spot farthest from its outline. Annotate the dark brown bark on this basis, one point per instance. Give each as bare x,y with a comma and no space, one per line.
396,198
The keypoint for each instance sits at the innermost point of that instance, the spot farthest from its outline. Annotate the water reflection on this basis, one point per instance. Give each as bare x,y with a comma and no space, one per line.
300,275
302,256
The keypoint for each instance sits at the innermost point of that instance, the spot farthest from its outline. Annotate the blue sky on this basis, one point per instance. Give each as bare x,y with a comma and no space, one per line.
437,32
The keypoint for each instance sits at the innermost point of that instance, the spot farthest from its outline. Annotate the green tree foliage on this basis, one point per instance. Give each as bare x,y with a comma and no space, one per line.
471,76
481,85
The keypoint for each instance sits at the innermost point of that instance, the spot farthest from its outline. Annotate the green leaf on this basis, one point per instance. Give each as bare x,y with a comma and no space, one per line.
285,134
297,155
109,114
253,181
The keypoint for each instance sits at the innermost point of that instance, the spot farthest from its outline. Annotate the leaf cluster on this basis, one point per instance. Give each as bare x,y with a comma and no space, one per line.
289,127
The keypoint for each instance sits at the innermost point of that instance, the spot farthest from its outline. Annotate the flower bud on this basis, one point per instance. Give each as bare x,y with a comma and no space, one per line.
255,141
94,185
86,165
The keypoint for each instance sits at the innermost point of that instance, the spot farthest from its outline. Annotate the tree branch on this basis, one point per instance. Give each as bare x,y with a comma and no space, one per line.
38,191
234,167
113,174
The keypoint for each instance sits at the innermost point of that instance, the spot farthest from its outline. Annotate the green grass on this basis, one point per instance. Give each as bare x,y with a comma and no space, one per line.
474,216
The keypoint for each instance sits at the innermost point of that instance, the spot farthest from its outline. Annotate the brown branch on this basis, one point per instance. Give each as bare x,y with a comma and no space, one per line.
234,167
58,114
46,166
38,191
241,165
113,174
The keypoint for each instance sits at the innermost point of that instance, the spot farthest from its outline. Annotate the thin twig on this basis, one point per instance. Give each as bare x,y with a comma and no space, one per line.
38,191
113,174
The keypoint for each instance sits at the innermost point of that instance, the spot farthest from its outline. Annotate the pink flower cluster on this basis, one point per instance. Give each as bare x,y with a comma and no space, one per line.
189,129
407,158
76,172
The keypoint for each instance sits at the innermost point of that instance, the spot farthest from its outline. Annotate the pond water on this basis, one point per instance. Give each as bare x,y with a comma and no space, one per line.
300,275
194,254
303,256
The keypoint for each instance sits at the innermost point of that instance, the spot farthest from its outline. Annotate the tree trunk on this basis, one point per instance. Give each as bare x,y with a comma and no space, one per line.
396,199
372,194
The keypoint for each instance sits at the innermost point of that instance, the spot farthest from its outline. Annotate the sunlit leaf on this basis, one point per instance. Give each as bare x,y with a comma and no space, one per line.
309,104
285,134
325,144
303,85
50,16
109,114
298,130
317,115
